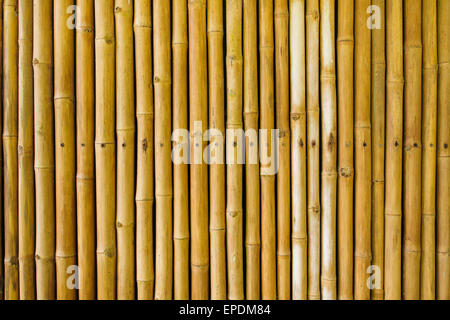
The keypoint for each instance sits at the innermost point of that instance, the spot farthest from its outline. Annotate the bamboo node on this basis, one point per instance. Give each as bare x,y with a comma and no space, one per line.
346,172
13,261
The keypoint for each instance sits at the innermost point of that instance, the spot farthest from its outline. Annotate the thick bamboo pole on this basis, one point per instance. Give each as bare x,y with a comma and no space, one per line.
144,177
44,149
268,233
27,276
217,170
345,49
10,107
180,171
298,149
313,150
125,131
394,141
198,115
251,114
2,275
105,149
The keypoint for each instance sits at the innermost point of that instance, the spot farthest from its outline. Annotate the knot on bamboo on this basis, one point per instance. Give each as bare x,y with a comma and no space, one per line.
13,261
346,172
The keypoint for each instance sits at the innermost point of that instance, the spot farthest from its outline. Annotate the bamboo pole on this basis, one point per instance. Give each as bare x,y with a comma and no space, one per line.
443,164
85,179
313,150
2,274
217,170
394,141
125,131
180,171
268,233
298,149
345,50
105,149
44,149
10,106
251,114
27,277
145,146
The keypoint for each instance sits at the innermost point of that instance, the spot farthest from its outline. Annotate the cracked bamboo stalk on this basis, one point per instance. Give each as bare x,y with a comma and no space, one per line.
105,149
10,188
2,235
298,149
145,124
217,170
345,50
180,171
125,132
44,149
268,233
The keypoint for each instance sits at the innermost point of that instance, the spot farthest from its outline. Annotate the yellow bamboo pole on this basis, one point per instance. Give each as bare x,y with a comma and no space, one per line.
27,275
10,107
144,177
2,275
345,49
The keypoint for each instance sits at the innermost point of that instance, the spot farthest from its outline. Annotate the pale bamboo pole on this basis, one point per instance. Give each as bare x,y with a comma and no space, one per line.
44,149
251,114
363,151
163,163
313,150
180,171
268,233
85,179
125,132
443,163
217,170
10,106
429,116
27,277
145,145
412,154
298,149
345,50
328,148
2,235
198,115
378,143
105,149
394,141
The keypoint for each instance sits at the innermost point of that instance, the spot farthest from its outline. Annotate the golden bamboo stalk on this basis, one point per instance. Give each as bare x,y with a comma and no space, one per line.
105,149
345,50
44,149
2,275
144,177
217,169
125,131
10,106
27,277
313,150
298,149
268,233
180,171
394,141
443,163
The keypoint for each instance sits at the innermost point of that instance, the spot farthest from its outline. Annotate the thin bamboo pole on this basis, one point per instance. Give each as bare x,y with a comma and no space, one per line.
394,141
44,149
10,106
125,131
313,150
145,125
298,149
27,276
268,233
198,115
251,114
345,50
105,149
2,274
217,170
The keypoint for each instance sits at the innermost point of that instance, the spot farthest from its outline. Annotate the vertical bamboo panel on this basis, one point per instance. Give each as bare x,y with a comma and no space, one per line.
44,149
298,148
1,160
27,277
345,50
